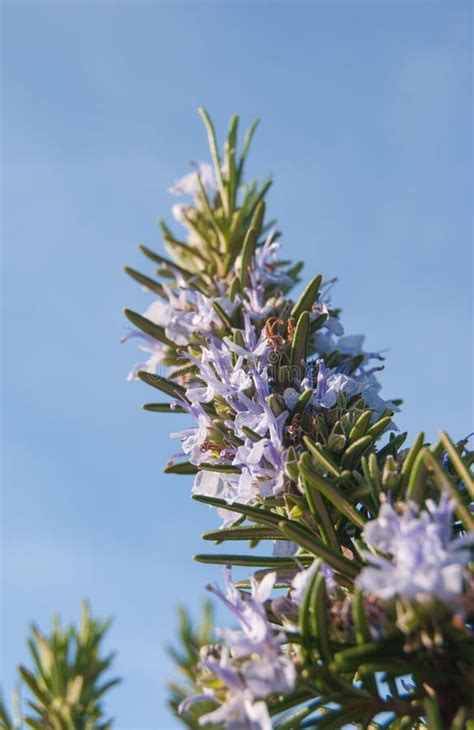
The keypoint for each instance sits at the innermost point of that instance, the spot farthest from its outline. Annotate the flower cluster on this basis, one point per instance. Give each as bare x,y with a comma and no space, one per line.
294,445
184,314
423,560
239,372
250,663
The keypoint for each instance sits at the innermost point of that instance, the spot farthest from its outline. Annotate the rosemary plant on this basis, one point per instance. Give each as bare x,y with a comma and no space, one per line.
360,612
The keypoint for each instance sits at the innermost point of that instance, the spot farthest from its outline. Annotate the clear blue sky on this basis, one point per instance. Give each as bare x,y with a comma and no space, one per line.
366,117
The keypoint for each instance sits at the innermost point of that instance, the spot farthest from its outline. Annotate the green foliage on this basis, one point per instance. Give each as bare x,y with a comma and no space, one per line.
186,659
65,682
344,661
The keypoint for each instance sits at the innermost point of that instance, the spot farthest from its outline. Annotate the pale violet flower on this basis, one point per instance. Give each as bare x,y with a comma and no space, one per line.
212,484
252,663
238,373
184,314
300,582
189,184
155,349
221,486
239,711
331,337
332,325
219,374
269,674
256,634
264,271
265,462
162,314
327,386
423,561
194,440
330,383
350,344
223,374
274,671
255,349
256,304
179,212
284,548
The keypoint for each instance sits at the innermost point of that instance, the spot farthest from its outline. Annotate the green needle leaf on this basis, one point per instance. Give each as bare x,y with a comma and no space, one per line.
257,218
322,457
296,532
163,261
181,247
360,619
305,619
243,533
251,434
458,463
350,659
332,493
163,408
245,148
150,284
354,450
379,427
222,315
221,468
248,252
215,156
299,346
360,426
445,483
166,386
308,297
412,454
302,402
417,478
433,714
320,513
319,619
149,327
253,561
230,148
256,514
181,467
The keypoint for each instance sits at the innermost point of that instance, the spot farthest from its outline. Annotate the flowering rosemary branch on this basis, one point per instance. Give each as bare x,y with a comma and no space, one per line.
361,610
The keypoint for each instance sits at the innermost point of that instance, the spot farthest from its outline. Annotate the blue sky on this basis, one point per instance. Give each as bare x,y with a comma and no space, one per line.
366,117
